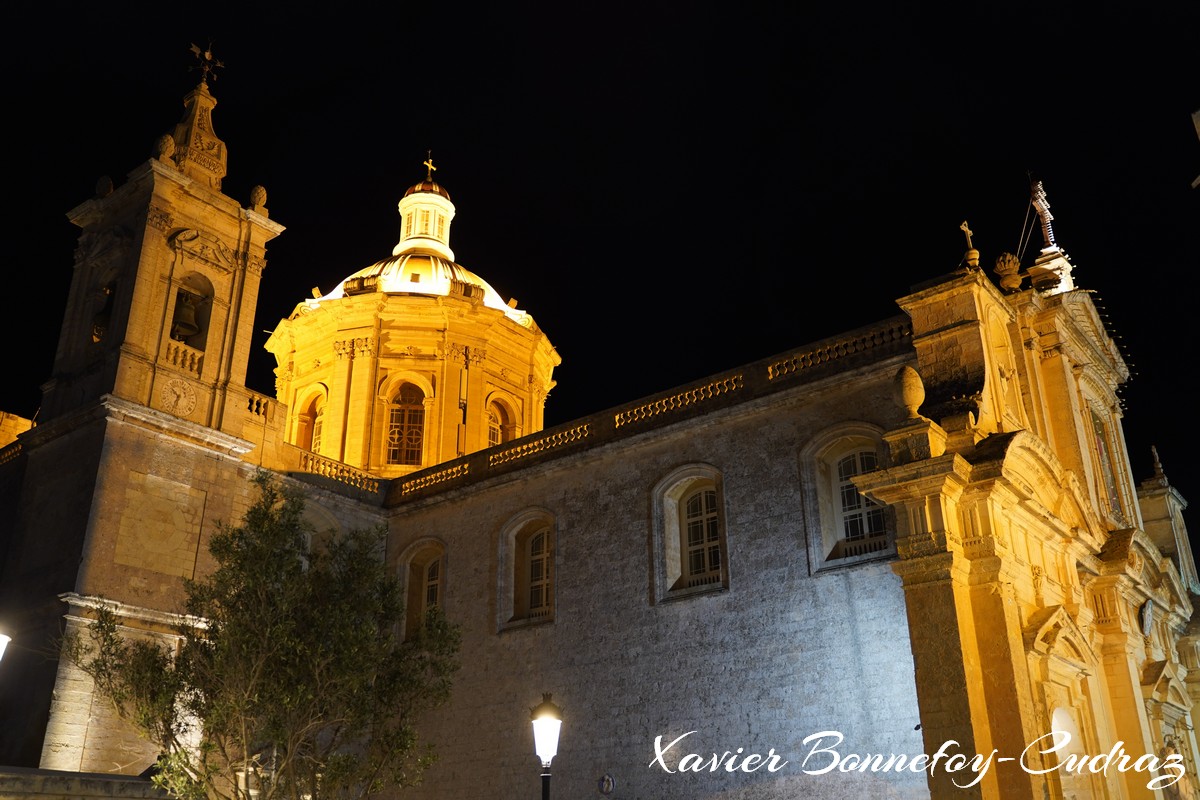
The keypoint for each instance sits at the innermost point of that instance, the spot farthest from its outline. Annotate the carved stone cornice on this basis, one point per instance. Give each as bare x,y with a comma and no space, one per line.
204,247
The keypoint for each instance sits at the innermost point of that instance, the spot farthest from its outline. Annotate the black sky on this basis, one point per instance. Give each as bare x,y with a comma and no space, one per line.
669,192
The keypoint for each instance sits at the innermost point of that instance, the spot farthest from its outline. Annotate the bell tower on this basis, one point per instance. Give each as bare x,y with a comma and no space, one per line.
167,270
145,431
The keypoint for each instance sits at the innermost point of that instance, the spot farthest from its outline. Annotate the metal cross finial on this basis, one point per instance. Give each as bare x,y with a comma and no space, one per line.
967,231
430,168
208,64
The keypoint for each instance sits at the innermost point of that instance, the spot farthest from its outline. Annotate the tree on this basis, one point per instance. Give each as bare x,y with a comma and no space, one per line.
291,678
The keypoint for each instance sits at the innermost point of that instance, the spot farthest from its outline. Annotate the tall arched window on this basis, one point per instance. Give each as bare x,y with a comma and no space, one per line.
527,574
318,428
495,432
539,566
426,584
690,552
859,518
701,530
192,311
406,427
844,526
500,424
310,424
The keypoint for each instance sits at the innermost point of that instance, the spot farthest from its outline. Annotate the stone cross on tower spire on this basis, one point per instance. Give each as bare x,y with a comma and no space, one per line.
972,256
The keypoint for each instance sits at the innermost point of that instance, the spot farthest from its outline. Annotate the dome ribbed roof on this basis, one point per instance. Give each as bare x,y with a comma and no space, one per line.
423,274
428,186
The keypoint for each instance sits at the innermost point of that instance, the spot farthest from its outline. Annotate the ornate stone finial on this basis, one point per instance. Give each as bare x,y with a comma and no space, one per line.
258,196
1042,206
908,391
208,64
1008,267
429,167
972,256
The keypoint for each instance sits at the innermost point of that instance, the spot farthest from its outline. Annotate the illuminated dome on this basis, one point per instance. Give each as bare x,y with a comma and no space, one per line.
422,273
412,361
422,263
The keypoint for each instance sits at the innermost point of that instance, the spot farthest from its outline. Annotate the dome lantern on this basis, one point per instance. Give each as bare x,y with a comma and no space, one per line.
425,216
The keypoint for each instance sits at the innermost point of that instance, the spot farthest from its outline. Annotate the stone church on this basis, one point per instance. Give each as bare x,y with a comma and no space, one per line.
918,542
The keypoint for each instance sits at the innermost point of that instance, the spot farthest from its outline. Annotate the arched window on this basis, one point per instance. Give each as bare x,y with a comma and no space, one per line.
1105,458
406,427
701,531
844,526
859,518
527,584
103,317
318,428
495,432
310,423
499,424
539,568
192,311
689,533
426,584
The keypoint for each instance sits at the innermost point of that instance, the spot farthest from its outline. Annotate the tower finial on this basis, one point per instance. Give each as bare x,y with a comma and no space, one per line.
972,256
208,64
429,167
1042,205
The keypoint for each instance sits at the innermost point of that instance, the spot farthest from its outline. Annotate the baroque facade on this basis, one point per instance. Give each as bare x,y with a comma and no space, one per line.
920,536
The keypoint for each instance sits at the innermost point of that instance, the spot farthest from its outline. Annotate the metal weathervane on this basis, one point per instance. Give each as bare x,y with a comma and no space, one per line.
208,64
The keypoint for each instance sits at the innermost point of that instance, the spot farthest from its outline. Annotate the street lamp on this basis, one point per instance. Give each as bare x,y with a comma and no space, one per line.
547,719
4,640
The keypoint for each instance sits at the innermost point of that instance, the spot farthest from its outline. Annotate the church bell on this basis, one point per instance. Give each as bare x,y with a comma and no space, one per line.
184,324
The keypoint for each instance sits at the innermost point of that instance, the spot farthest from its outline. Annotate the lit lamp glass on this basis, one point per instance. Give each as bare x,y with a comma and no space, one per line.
547,720
4,640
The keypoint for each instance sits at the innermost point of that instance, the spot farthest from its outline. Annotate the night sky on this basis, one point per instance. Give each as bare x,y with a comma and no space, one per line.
670,193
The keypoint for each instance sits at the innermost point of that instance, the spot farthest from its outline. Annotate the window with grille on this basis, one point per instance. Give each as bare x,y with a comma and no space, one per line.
426,584
539,574
702,538
861,517
318,427
843,526
406,427
526,591
690,553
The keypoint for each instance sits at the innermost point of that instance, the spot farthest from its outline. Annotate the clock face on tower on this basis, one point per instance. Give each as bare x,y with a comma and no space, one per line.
178,397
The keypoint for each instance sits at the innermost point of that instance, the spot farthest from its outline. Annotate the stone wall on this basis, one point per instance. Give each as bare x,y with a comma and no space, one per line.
18,784
782,653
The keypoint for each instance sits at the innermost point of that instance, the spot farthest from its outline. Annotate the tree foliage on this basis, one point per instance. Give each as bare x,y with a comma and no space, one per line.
291,677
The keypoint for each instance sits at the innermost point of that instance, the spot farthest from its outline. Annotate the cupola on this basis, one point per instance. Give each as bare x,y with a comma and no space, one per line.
425,216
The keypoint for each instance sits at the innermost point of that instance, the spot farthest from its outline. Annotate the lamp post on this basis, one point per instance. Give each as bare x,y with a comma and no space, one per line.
547,720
